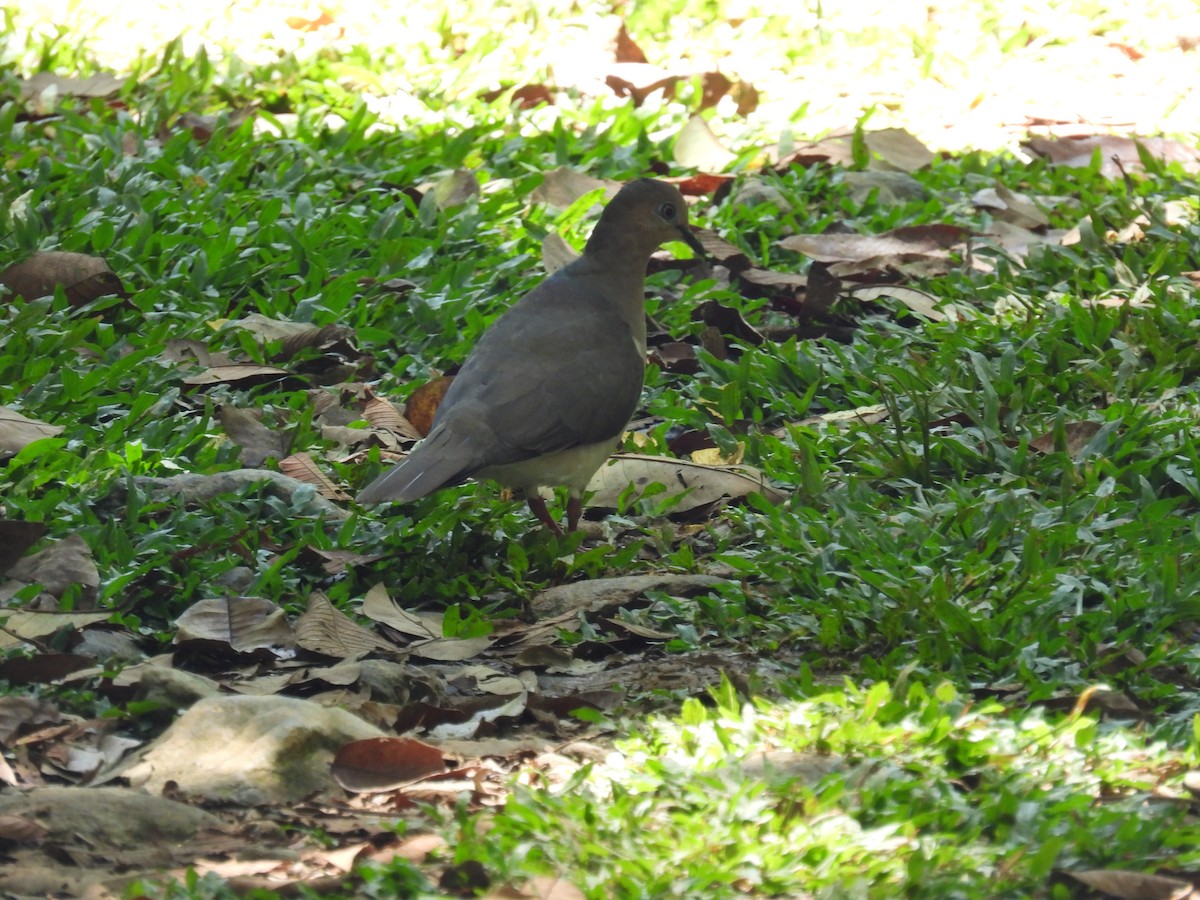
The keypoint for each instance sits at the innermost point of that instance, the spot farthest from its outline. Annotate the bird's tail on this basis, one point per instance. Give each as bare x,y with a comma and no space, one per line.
436,463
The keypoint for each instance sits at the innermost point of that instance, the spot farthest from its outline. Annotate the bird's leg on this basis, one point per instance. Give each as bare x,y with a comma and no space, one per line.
538,507
574,511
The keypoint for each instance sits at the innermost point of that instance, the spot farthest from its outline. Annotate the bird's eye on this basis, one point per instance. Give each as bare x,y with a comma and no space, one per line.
667,211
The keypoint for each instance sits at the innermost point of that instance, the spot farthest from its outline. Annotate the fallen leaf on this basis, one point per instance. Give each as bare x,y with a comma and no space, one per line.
419,409
203,127
563,186
1117,152
23,626
236,373
863,415
19,712
324,629
697,485
899,244
377,605
1076,436
919,302
696,147
83,277
294,335
556,253
303,468
599,595
57,567
244,623
454,189
18,431
258,443
625,49
1013,207
835,150
381,764
898,149
1127,885
450,649
675,356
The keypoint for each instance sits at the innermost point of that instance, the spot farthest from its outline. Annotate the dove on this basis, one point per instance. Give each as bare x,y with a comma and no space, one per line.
545,394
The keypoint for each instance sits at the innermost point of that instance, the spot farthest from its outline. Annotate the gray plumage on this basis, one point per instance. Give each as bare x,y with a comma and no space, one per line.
546,392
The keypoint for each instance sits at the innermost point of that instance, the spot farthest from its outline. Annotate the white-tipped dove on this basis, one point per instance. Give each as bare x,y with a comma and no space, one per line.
544,396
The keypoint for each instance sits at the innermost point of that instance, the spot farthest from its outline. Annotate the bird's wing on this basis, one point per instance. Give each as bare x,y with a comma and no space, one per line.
565,372
570,375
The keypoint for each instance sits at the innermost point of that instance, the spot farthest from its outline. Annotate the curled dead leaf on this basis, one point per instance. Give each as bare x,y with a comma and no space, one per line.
380,764
421,405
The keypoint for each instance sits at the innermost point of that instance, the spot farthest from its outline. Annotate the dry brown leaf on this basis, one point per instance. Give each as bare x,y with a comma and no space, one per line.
625,50
18,431
675,356
484,710
184,350
57,567
899,245
728,321
1117,152
23,626
454,189
1077,435
302,467
699,184
862,415
295,334
919,302
699,485
83,277
1010,206
603,594
324,629
696,147
897,149
383,414
1127,885
236,373
525,96
18,712
258,442
717,249
836,150
382,764
421,406
768,278
244,623
556,252
563,186
378,606
44,90
450,649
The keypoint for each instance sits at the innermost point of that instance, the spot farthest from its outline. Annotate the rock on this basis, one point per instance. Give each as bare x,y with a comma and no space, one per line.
248,750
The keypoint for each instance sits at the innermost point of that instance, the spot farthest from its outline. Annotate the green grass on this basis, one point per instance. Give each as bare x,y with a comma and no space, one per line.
926,606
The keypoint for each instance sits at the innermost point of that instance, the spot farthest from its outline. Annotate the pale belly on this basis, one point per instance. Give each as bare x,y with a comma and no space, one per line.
572,468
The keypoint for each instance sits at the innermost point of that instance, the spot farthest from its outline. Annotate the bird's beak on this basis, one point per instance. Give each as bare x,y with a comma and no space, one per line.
689,238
